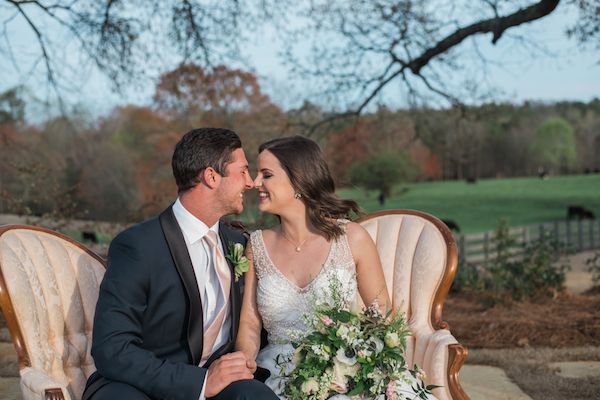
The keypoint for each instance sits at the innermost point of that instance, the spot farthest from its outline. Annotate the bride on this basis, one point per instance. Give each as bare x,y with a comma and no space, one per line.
293,262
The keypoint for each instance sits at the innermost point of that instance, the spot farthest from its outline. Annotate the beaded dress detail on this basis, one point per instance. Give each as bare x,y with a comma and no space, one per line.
282,304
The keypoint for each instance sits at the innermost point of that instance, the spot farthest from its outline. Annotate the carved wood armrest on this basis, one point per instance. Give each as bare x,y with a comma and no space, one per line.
457,354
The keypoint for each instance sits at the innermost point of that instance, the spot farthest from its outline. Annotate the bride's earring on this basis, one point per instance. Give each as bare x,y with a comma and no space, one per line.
297,195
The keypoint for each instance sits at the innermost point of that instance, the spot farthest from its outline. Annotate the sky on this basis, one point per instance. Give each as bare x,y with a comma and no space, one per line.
561,72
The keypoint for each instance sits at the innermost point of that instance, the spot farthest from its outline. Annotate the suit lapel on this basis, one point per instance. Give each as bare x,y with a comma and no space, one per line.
183,264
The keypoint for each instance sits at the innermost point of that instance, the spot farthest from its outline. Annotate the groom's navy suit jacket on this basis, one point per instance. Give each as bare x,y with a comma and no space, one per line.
148,326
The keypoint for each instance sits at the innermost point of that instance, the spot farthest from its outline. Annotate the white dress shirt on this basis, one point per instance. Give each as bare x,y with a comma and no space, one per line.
208,281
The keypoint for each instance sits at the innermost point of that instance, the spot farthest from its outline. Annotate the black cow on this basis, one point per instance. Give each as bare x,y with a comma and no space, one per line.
89,236
579,212
451,224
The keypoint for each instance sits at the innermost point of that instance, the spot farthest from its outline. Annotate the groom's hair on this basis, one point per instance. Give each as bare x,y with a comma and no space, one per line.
199,149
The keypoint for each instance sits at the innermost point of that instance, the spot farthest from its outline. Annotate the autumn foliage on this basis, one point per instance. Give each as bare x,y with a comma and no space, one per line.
118,167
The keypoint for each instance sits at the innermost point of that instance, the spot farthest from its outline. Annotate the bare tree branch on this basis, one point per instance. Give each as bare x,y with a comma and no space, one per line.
497,26
405,25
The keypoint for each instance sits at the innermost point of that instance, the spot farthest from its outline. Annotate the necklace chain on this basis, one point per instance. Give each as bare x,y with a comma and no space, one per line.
297,247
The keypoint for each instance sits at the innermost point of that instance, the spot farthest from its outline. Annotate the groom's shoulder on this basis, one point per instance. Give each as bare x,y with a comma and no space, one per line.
139,232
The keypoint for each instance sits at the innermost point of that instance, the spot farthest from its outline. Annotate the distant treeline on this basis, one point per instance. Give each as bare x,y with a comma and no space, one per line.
118,167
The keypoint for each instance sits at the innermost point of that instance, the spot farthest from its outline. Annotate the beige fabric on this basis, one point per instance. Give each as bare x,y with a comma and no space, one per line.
212,331
53,286
413,255
35,382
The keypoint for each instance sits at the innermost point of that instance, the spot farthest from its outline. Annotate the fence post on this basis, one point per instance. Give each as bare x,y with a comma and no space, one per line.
556,235
462,254
485,248
580,234
592,241
568,233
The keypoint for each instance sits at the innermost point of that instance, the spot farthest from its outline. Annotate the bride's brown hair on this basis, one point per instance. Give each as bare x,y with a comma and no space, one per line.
302,160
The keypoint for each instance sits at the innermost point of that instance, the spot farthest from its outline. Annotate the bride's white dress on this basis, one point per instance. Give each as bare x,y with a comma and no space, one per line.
282,304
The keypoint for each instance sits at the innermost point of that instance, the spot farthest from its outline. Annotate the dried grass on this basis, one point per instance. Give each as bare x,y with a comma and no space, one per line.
564,321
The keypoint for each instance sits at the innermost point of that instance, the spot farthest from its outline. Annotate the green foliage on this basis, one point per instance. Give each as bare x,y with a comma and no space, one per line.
360,354
554,145
539,270
12,106
467,279
479,207
593,264
382,171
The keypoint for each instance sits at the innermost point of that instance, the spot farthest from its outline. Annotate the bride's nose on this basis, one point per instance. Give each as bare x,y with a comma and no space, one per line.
258,182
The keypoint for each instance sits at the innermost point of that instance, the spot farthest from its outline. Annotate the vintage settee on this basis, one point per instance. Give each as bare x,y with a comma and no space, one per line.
49,287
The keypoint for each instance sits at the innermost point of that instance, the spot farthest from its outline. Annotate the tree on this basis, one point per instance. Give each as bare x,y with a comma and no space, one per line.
382,171
12,107
121,38
358,48
587,28
192,96
191,89
554,145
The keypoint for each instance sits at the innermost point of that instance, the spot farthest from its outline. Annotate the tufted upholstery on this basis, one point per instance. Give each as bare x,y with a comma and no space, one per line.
419,259
48,292
49,288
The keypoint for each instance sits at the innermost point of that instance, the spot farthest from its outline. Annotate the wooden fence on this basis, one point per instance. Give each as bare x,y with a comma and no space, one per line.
577,235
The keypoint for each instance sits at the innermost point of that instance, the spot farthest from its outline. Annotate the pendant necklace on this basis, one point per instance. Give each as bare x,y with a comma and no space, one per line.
297,247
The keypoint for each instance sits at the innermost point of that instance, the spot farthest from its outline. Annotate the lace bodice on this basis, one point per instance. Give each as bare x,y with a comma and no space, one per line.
282,304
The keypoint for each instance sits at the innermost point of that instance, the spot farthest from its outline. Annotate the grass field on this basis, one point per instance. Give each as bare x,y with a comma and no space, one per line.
478,207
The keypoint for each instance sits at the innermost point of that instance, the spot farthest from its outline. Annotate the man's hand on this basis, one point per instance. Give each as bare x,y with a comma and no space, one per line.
225,370
251,365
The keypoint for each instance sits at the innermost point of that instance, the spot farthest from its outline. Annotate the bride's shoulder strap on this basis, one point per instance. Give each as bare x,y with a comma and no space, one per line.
343,222
258,251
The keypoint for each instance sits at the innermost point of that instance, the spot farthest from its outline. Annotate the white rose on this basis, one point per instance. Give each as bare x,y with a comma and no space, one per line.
351,370
392,340
340,381
310,386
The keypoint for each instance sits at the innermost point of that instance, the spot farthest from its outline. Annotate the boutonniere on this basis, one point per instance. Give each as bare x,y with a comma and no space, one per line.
240,262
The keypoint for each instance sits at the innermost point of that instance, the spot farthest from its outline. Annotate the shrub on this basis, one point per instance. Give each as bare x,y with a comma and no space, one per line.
539,270
593,264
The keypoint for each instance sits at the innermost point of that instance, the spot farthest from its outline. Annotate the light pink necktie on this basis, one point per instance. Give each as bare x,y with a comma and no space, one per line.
211,332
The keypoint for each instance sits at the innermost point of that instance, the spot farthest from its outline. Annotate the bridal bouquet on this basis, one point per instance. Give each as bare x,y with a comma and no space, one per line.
359,354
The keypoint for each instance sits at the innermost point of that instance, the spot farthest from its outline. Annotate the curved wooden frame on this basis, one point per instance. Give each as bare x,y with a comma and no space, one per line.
457,353
9,311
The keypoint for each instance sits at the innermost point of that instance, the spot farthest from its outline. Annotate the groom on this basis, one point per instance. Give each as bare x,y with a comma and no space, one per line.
168,309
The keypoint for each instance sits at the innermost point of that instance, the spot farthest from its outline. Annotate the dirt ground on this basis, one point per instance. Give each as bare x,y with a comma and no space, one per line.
565,321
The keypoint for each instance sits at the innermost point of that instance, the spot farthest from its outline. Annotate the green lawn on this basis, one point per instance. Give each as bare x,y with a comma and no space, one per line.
478,207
